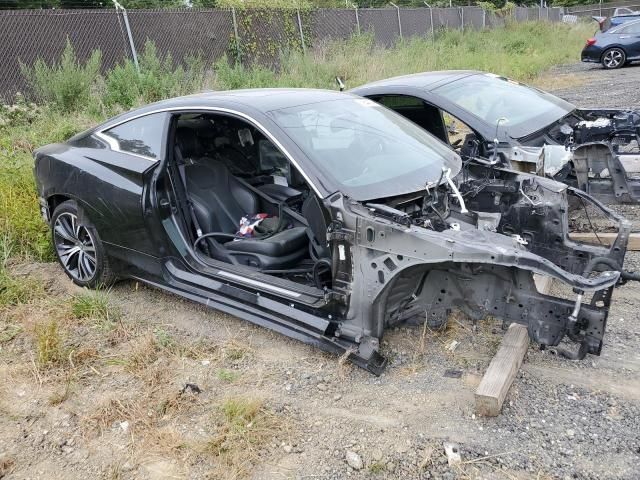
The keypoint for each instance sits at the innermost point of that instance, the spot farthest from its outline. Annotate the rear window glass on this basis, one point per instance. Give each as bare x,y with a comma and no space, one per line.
141,136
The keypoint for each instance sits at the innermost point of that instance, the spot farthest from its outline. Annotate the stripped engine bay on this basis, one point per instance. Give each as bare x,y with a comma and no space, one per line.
482,238
597,151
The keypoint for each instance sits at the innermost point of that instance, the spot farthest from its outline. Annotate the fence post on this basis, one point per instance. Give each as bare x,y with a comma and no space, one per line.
304,48
357,19
399,22
235,32
433,37
126,24
462,19
484,19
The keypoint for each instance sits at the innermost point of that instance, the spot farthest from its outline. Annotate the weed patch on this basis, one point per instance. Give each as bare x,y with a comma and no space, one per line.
244,426
50,343
158,78
8,332
228,376
96,307
15,290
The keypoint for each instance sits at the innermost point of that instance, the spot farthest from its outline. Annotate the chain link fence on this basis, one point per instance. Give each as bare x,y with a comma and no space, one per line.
602,9
249,36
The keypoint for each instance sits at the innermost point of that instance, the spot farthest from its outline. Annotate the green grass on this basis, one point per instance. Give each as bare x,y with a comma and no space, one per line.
14,289
22,231
521,51
50,343
226,375
97,307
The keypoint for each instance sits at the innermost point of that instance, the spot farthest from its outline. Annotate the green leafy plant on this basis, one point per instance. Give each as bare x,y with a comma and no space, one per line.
158,78
66,84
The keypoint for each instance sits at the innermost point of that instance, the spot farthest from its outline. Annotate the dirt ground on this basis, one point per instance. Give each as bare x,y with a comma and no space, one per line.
166,389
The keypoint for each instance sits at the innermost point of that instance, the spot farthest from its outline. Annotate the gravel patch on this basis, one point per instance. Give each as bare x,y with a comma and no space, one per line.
601,88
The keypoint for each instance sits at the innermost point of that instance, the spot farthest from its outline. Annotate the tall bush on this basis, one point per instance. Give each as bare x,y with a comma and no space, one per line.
66,84
158,78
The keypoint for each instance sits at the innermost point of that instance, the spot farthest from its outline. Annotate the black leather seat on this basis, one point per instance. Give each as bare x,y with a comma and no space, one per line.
188,145
220,200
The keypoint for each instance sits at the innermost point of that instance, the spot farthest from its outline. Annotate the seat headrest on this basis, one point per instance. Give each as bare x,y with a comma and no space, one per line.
187,142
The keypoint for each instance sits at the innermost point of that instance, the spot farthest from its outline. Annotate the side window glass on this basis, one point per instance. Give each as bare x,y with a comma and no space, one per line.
635,28
142,136
418,111
401,101
457,130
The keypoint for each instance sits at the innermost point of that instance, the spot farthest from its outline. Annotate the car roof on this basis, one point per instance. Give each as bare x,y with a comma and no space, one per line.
266,99
424,80
618,11
623,25
260,99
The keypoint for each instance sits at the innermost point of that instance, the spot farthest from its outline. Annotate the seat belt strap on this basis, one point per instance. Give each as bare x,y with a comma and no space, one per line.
183,178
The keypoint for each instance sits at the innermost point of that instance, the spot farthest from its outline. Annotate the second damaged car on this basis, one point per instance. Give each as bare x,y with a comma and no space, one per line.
502,121
321,215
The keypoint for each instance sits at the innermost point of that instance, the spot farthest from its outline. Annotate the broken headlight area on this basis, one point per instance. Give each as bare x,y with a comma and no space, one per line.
474,247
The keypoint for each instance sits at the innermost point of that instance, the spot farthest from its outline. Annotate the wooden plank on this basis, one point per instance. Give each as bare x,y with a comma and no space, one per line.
606,238
543,283
502,370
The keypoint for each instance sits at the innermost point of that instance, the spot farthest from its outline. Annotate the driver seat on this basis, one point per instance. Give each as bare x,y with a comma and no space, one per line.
219,201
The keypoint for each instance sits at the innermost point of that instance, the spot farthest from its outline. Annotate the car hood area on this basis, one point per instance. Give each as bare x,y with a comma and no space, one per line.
476,248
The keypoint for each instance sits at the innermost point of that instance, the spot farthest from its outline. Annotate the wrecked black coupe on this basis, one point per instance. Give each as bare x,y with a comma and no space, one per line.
523,128
322,215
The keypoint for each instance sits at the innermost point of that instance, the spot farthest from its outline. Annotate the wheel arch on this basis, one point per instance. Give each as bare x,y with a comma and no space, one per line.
56,199
610,47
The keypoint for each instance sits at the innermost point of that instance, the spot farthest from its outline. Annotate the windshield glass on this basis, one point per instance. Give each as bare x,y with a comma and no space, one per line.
524,109
367,149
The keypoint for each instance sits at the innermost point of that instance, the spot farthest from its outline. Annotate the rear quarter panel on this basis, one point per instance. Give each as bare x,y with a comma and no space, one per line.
109,186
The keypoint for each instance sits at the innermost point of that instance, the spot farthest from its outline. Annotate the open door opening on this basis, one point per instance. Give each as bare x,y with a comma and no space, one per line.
242,202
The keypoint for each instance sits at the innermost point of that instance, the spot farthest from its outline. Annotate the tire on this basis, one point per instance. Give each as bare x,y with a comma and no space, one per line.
613,58
78,247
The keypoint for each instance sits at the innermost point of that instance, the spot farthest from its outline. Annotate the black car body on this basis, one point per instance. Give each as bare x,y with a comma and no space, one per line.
523,128
614,47
382,222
